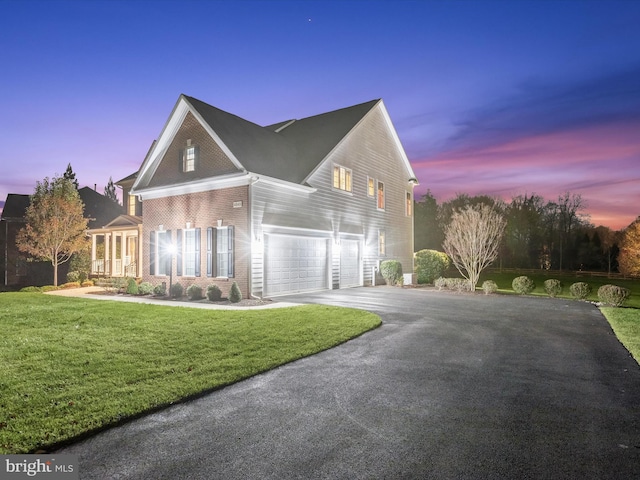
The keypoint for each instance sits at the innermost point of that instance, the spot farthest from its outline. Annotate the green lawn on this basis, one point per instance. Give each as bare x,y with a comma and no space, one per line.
70,365
503,280
625,323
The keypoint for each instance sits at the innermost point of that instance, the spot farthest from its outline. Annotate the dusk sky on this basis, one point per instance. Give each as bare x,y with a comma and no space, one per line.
488,97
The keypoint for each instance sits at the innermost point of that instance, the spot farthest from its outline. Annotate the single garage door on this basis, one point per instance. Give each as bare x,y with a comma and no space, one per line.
349,263
295,264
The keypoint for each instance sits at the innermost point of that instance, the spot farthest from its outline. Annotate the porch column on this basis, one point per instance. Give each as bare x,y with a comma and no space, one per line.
93,252
123,253
139,256
107,254
114,243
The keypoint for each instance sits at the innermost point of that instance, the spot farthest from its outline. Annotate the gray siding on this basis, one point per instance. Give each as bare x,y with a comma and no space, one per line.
369,151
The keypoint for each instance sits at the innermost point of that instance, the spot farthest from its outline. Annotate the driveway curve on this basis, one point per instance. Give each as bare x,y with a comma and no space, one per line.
450,386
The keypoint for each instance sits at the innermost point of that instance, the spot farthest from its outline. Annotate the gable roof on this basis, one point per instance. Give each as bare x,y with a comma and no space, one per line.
99,209
289,150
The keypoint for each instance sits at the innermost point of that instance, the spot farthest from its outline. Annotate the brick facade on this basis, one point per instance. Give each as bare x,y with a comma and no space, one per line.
202,210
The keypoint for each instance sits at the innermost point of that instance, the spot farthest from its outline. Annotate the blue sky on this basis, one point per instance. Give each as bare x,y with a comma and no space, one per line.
488,97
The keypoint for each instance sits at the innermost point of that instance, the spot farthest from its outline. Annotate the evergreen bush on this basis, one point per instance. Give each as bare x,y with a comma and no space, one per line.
489,286
145,288
160,290
391,271
132,286
440,283
73,277
176,290
214,293
613,295
194,292
580,290
430,264
523,285
553,287
235,295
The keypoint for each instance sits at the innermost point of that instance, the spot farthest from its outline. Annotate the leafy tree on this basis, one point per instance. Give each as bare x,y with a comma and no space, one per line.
428,233
71,176
110,191
472,240
523,233
55,226
629,256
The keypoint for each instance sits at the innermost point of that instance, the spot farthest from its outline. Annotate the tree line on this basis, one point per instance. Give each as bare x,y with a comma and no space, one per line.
538,233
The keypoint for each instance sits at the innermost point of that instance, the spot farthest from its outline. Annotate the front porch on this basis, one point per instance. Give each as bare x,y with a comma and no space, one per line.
116,249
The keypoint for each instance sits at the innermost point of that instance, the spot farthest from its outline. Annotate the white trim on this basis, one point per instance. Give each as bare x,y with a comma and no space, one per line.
272,230
282,183
396,139
204,185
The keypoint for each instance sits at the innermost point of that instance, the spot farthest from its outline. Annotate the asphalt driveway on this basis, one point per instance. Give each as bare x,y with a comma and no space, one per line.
451,386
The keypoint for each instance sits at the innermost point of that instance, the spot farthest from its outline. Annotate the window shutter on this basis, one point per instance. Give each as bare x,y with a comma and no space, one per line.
179,252
196,157
181,160
210,252
231,269
197,253
152,253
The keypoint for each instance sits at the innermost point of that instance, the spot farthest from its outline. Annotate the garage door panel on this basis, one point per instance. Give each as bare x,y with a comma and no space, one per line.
294,264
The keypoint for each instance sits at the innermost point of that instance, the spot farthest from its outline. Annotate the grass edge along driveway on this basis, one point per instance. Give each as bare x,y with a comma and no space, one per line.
71,366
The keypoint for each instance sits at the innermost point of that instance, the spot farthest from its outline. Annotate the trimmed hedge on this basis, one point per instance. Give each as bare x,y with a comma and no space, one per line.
214,293
177,290
235,295
523,285
553,287
194,292
391,271
613,295
580,290
429,265
456,284
489,287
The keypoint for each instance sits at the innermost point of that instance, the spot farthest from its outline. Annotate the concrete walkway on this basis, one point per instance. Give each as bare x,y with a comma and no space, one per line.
449,387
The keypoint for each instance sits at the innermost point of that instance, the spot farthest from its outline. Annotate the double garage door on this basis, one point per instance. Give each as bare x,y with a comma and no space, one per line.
297,264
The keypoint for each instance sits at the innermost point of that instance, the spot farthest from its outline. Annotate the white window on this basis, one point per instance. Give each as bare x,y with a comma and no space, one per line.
408,205
189,253
342,178
131,205
382,243
189,159
220,257
380,195
371,187
164,252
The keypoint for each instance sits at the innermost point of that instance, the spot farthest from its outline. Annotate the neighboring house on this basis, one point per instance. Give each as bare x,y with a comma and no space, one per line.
116,250
18,269
300,205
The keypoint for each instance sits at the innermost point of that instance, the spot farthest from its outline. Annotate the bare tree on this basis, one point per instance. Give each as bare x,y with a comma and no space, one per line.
472,240
55,228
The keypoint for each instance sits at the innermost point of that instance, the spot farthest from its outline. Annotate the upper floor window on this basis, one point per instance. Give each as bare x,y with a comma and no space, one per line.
131,205
342,178
189,159
408,204
380,195
371,187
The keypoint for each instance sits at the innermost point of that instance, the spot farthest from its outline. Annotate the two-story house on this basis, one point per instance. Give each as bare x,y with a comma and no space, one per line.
306,204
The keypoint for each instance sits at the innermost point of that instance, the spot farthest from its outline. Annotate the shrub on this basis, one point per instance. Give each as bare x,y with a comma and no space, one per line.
31,289
132,286
49,288
391,271
235,295
160,290
87,283
145,288
489,286
194,292
613,295
214,293
523,285
430,264
70,285
440,283
580,290
176,290
113,284
73,277
80,264
553,287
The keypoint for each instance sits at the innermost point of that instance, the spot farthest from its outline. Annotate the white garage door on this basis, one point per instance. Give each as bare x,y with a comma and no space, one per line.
295,264
349,263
